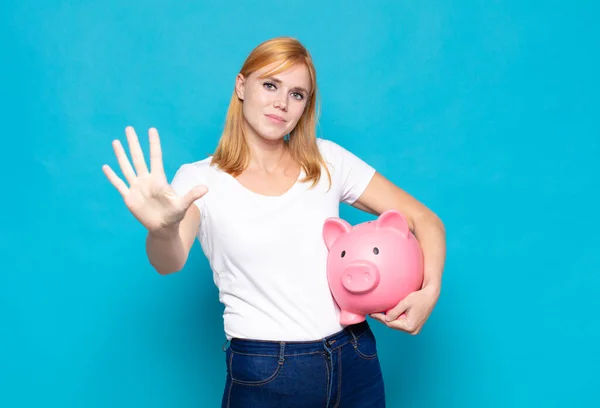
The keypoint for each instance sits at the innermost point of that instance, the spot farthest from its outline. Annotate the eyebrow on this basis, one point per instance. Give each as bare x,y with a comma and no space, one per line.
296,88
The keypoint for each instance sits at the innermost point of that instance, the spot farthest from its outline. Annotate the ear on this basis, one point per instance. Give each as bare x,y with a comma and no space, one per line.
240,82
394,220
333,229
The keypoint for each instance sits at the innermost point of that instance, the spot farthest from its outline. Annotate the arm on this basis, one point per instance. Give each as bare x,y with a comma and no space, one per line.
171,219
382,195
168,250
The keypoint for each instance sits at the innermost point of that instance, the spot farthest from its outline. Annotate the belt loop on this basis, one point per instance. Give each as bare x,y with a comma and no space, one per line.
354,339
281,352
223,347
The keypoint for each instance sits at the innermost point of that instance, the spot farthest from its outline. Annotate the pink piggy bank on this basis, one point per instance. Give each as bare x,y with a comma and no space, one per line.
372,266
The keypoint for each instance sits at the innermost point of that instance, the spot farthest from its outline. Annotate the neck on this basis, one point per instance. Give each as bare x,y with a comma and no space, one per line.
266,155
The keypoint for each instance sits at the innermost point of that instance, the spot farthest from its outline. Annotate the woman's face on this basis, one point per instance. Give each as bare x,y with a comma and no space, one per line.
272,106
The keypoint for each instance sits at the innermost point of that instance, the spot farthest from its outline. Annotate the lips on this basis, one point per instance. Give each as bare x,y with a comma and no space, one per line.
276,118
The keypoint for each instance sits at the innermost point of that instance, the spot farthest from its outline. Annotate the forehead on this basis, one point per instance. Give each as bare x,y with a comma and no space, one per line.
295,76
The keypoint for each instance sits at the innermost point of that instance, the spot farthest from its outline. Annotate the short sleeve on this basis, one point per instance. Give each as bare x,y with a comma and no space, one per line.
351,172
186,178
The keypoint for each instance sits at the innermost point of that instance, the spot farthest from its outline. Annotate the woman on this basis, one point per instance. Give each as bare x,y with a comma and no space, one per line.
257,207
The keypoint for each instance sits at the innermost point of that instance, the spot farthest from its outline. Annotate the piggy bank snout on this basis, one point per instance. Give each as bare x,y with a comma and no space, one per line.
360,277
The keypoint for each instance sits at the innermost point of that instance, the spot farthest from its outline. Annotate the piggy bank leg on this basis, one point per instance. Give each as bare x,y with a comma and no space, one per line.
347,318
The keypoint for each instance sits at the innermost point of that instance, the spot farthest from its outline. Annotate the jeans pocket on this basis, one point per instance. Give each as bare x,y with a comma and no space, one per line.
365,346
253,369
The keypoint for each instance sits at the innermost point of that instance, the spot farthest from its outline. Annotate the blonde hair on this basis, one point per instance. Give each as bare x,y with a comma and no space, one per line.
232,154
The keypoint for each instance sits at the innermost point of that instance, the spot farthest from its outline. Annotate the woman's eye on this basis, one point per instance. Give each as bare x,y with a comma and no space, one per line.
271,87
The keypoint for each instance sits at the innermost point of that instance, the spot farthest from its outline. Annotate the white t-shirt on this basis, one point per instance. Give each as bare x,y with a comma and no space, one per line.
267,253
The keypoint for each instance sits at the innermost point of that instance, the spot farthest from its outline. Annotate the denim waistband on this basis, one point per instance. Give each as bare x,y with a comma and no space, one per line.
332,342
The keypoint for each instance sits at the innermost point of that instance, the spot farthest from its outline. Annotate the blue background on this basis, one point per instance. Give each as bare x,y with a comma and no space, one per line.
486,111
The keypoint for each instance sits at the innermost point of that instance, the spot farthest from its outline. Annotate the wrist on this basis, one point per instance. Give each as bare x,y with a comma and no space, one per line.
433,285
165,233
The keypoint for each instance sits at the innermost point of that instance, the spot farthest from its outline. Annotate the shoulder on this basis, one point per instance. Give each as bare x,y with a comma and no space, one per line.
330,150
326,145
200,170
197,166
334,153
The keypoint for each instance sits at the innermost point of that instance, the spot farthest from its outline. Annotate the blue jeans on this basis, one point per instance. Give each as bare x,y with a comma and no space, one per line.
341,370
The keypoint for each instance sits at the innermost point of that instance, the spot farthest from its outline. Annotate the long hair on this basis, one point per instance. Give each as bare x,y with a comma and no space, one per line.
232,154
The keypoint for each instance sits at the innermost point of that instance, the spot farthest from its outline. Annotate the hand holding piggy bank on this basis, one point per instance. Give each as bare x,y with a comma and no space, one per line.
372,266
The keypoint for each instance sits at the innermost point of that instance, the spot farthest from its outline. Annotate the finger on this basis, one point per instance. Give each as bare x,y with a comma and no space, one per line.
380,317
126,168
194,194
115,180
137,156
401,324
401,308
156,163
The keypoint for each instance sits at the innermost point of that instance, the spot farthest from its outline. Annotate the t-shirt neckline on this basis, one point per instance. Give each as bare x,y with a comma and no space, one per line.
245,189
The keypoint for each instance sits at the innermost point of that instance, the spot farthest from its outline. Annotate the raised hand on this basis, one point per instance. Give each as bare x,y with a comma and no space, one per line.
149,196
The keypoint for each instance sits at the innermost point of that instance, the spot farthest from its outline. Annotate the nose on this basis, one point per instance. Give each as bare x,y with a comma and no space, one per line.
360,277
281,103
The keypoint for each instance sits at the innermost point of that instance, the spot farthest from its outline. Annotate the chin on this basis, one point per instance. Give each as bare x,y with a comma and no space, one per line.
271,136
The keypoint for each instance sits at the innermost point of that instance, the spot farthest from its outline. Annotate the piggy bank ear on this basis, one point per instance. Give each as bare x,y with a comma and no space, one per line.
394,220
333,229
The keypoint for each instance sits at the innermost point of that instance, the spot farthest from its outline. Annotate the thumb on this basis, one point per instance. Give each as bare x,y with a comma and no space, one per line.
194,194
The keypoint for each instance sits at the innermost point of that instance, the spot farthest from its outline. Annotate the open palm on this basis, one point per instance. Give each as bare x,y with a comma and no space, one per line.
149,196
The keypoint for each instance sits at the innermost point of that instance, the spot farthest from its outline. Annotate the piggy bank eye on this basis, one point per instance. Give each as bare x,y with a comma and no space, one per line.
376,250
343,254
